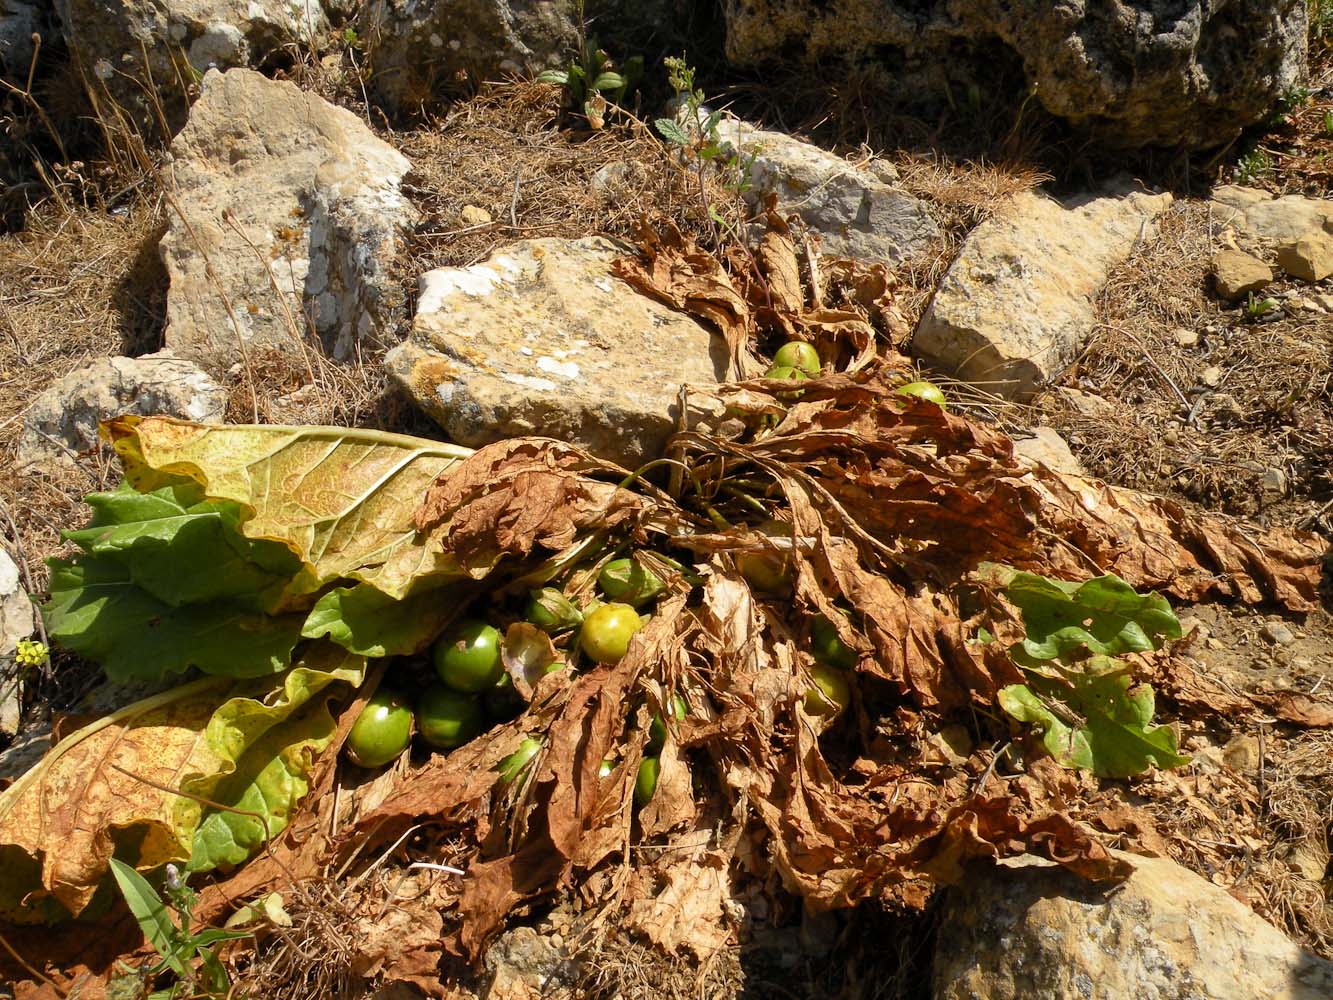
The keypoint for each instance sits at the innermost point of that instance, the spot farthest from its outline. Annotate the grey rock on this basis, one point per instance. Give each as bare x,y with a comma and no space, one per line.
855,211
1278,633
19,757
541,339
16,622
1309,258
1026,928
61,423
1134,72
19,21
112,39
417,50
1018,303
525,965
290,214
1262,216
1238,273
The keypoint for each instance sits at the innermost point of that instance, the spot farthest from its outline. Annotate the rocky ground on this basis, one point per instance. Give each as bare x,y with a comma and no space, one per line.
411,249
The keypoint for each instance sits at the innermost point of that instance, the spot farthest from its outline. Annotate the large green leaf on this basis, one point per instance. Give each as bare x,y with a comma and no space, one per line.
365,620
1107,728
272,735
342,500
111,786
1103,616
183,550
97,610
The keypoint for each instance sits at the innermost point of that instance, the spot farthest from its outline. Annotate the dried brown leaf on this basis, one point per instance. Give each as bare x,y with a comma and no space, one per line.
675,270
690,912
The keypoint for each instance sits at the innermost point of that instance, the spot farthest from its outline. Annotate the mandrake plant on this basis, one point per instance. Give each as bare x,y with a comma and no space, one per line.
335,559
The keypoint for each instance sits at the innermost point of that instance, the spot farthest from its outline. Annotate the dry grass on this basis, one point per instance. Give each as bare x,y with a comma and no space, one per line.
1169,432
76,286
506,153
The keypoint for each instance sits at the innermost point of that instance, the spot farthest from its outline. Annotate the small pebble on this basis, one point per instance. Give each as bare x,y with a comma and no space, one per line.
1275,481
1278,633
1211,376
1185,338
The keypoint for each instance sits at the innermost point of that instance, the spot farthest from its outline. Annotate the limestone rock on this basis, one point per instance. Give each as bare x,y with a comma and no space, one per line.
856,212
1046,447
1237,274
1026,928
525,965
61,423
417,49
1260,215
542,339
111,40
1309,258
1134,72
289,216
1018,303
16,622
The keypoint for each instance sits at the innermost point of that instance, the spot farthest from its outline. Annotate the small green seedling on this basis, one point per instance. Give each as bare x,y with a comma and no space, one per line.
591,83
166,925
1258,308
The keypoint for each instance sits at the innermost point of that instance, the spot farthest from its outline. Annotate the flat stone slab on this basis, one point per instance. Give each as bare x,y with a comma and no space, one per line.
1260,215
542,339
1019,302
857,211
285,214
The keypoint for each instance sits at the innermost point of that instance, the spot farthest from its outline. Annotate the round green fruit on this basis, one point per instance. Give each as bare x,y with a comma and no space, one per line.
467,657
513,765
829,694
787,373
827,648
551,611
502,702
645,785
657,731
928,391
767,572
629,582
800,355
447,719
608,630
382,731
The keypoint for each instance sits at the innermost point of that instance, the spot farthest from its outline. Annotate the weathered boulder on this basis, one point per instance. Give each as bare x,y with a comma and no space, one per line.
1026,928
1135,72
854,210
1237,273
61,423
286,215
541,339
1259,215
19,21
135,48
418,49
1019,302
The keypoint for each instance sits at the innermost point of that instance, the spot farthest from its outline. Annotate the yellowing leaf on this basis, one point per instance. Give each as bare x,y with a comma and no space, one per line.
108,788
342,499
